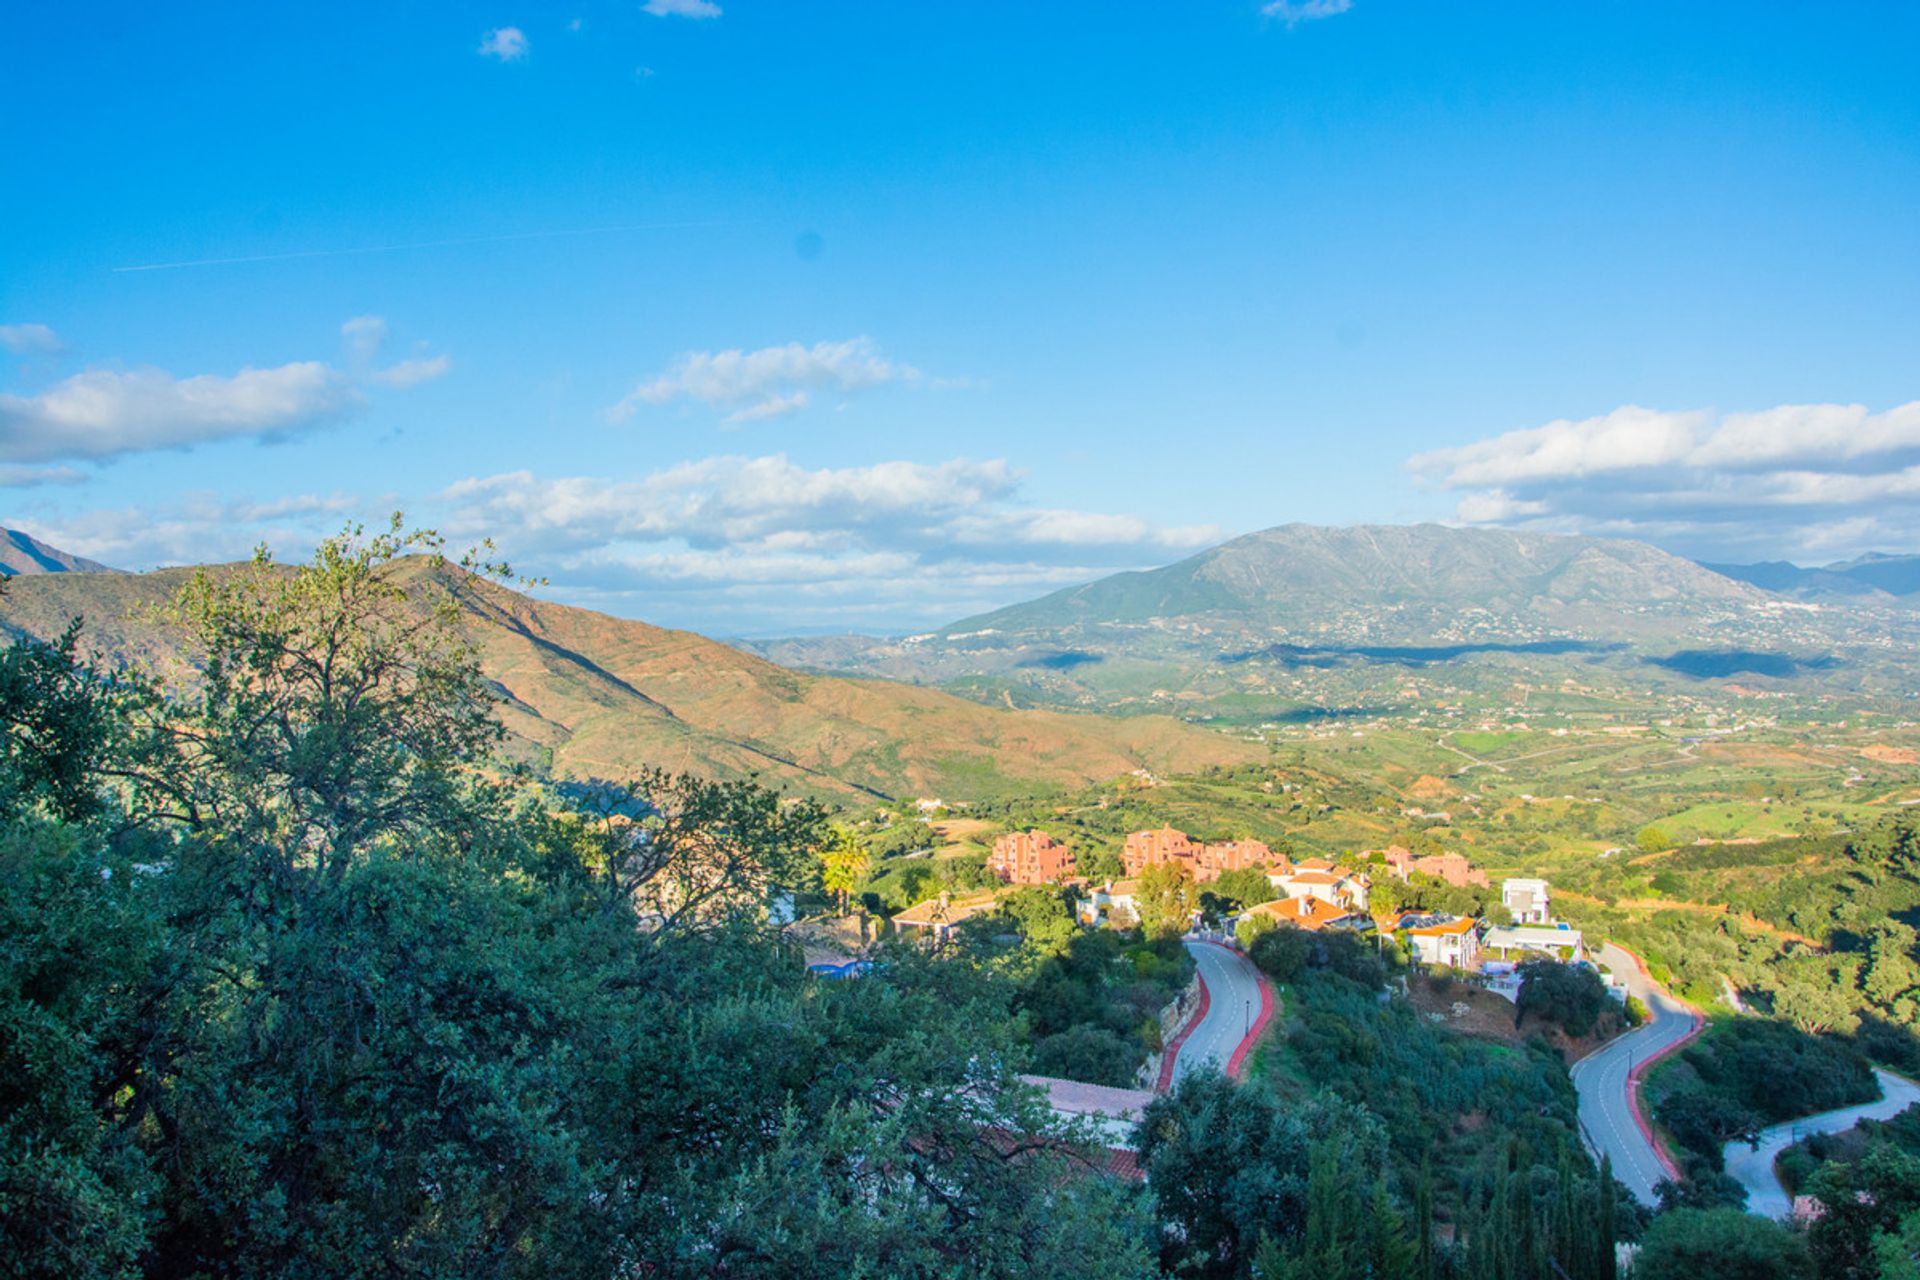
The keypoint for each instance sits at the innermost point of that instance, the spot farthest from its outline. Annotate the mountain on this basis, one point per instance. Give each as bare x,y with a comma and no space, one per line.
1875,574
599,696
22,553
1278,620
1389,584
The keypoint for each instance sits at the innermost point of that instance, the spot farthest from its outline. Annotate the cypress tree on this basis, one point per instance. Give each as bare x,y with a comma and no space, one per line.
1423,1221
1606,1269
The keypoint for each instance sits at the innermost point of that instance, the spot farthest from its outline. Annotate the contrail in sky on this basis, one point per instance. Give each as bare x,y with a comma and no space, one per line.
427,244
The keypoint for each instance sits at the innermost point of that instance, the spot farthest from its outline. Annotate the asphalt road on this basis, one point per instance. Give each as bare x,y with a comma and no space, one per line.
1753,1165
1233,989
1602,1079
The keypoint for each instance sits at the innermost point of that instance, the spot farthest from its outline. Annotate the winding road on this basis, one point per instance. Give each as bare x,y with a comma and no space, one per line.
1752,1164
1238,1006
1606,1079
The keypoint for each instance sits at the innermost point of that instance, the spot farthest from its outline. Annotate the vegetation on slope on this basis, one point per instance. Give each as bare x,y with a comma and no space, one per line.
585,695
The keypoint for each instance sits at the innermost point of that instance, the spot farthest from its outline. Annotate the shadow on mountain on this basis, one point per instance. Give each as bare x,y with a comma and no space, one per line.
1065,660
1712,664
1294,655
1311,715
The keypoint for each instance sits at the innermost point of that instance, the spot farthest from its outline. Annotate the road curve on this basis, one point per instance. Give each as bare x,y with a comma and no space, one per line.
1752,1164
1605,1079
1234,1004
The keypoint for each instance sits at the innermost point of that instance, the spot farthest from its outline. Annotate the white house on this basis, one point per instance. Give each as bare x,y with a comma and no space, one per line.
1527,900
1557,941
1330,885
1111,903
1441,939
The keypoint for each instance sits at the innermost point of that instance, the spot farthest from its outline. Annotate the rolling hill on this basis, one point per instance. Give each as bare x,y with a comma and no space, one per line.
594,696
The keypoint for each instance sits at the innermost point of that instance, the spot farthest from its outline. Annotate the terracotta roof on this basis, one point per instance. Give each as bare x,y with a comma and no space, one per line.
1314,864
1313,877
1306,913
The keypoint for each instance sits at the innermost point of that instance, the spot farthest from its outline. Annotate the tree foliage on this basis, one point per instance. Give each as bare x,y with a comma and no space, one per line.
346,999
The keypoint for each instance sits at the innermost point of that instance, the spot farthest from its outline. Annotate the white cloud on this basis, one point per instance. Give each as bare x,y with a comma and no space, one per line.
197,528
1294,12
16,477
767,383
104,412
681,8
411,373
1791,481
508,44
364,336
30,340
760,543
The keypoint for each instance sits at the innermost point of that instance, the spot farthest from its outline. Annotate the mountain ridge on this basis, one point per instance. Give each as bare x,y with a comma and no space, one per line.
23,554
1268,619
587,695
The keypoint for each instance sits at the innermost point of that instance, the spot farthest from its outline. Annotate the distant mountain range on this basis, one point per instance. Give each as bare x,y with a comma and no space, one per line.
1890,576
22,553
1254,617
1294,623
594,696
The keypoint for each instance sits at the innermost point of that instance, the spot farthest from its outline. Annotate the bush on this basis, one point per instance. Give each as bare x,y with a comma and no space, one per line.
1705,1122
1727,1244
1571,996
1281,953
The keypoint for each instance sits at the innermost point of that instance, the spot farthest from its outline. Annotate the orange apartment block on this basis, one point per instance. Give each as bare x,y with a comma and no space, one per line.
1210,861
1030,857
1151,848
1206,861
1450,867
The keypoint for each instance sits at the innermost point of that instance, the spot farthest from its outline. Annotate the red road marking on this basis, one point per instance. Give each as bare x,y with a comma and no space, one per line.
1172,1053
1640,1069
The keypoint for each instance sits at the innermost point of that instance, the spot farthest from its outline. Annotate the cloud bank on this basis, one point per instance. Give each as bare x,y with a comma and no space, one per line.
1798,481
104,412
757,544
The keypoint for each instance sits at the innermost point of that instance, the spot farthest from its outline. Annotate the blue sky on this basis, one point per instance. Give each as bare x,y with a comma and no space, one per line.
760,318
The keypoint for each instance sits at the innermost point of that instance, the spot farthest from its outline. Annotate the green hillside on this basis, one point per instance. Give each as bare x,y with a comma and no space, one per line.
590,695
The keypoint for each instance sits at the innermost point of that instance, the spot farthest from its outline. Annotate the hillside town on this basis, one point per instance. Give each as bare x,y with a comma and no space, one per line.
1312,894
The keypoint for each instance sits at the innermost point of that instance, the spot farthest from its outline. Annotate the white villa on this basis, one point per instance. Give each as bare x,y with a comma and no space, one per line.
1558,941
1527,900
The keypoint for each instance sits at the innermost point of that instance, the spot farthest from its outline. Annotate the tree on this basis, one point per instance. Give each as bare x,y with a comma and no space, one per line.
689,853
336,705
1814,991
1281,953
1706,1122
1569,995
1891,972
1247,887
1861,1201
1251,928
844,860
1166,899
79,933
1227,1165
1686,1244
1653,839
62,725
